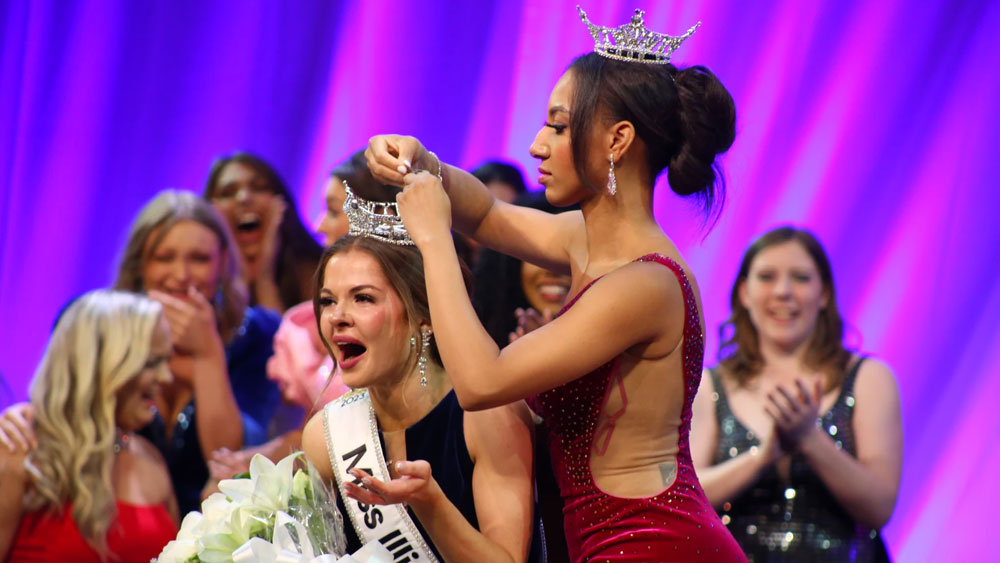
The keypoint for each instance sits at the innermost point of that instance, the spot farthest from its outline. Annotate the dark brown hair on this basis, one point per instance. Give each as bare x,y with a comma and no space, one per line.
739,353
297,244
684,119
403,266
355,172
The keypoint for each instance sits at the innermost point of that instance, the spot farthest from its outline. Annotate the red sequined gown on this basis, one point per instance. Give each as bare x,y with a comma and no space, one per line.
678,524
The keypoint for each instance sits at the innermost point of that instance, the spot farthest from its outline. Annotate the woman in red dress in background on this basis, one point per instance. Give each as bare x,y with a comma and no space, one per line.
92,490
614,375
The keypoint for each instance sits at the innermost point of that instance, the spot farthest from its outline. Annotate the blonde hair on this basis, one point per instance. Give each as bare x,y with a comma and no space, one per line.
164,211
100,343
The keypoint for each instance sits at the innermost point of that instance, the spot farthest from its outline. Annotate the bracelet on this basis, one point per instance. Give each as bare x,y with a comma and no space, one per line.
439,177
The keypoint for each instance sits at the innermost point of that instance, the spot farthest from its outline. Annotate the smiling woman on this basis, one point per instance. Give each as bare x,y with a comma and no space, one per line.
180,252
277,252
797,441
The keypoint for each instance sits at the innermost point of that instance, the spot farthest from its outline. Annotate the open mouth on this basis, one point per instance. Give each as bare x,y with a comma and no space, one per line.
350,353
248,223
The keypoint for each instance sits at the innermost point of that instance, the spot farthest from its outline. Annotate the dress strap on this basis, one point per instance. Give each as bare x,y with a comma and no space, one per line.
722,409
847,389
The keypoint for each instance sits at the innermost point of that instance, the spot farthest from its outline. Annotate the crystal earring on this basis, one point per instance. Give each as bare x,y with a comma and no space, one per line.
425,343
612,181
413,342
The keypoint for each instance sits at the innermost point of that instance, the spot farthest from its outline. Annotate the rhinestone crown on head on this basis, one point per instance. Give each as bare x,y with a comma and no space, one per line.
633,41
375,219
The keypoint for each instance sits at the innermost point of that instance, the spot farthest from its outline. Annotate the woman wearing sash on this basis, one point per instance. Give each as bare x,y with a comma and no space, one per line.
614,375
413,470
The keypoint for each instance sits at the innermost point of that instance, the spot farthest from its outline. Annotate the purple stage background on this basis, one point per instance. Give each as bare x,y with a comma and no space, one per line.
871,123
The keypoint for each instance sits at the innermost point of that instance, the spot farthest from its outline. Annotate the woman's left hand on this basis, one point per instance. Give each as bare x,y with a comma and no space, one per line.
415,485
424,207
794,411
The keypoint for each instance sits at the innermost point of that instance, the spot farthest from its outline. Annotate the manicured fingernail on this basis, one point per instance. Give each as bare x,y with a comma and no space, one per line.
399,465
408,164
401,169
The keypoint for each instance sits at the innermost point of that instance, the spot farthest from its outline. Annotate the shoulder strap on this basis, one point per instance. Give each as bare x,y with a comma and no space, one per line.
721,402
852,375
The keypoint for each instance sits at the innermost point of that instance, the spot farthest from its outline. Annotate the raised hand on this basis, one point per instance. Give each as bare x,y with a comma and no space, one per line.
17,428
794,411
425,208
192,322
415,485
391,157
265,264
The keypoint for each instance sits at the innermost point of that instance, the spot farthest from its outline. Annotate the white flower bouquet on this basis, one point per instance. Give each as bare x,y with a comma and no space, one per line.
274,515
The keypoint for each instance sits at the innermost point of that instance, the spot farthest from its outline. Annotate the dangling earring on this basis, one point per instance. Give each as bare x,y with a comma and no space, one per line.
425,343
612,181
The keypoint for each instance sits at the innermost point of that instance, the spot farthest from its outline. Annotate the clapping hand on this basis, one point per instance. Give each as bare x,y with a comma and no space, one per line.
794,411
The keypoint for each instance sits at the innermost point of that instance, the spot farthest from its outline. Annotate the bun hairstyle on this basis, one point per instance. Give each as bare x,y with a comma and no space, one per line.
685,118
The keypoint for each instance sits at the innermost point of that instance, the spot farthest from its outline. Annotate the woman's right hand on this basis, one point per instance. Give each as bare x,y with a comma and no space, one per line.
390,157
770,450
192,322
17,430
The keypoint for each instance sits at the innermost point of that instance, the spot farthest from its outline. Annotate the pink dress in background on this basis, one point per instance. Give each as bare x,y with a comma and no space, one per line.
301,365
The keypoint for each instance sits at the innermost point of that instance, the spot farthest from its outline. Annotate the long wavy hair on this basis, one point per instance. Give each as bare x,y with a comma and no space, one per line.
100,343
739,351
297,243
168,208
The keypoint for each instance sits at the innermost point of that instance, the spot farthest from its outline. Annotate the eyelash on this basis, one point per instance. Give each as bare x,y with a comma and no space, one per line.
559,128
365,297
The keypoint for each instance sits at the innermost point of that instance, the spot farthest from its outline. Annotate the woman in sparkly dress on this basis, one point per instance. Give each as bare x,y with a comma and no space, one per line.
615,373
788,487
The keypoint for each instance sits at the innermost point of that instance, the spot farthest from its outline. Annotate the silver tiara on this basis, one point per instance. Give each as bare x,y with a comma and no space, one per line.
633,41
374,219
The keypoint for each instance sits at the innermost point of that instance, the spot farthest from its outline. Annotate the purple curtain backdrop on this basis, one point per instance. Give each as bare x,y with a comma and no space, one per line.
871,123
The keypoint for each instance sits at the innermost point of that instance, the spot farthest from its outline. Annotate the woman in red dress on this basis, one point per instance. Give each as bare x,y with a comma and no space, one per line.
91,489
614,375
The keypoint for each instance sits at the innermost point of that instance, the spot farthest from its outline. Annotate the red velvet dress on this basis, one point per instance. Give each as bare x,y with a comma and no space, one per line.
137,535
678,524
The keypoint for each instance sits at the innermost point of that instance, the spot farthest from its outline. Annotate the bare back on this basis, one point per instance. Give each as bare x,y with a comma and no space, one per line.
637,435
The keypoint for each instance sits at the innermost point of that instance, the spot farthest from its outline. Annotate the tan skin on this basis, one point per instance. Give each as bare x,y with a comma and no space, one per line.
784,294
224,462
182,273
243,197
645,327
360,305
139,475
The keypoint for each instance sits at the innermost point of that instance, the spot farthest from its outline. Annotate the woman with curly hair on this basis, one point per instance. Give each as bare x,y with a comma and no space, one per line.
93,490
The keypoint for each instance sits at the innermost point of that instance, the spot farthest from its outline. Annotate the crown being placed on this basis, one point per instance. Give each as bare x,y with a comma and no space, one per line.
633,41
374,219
